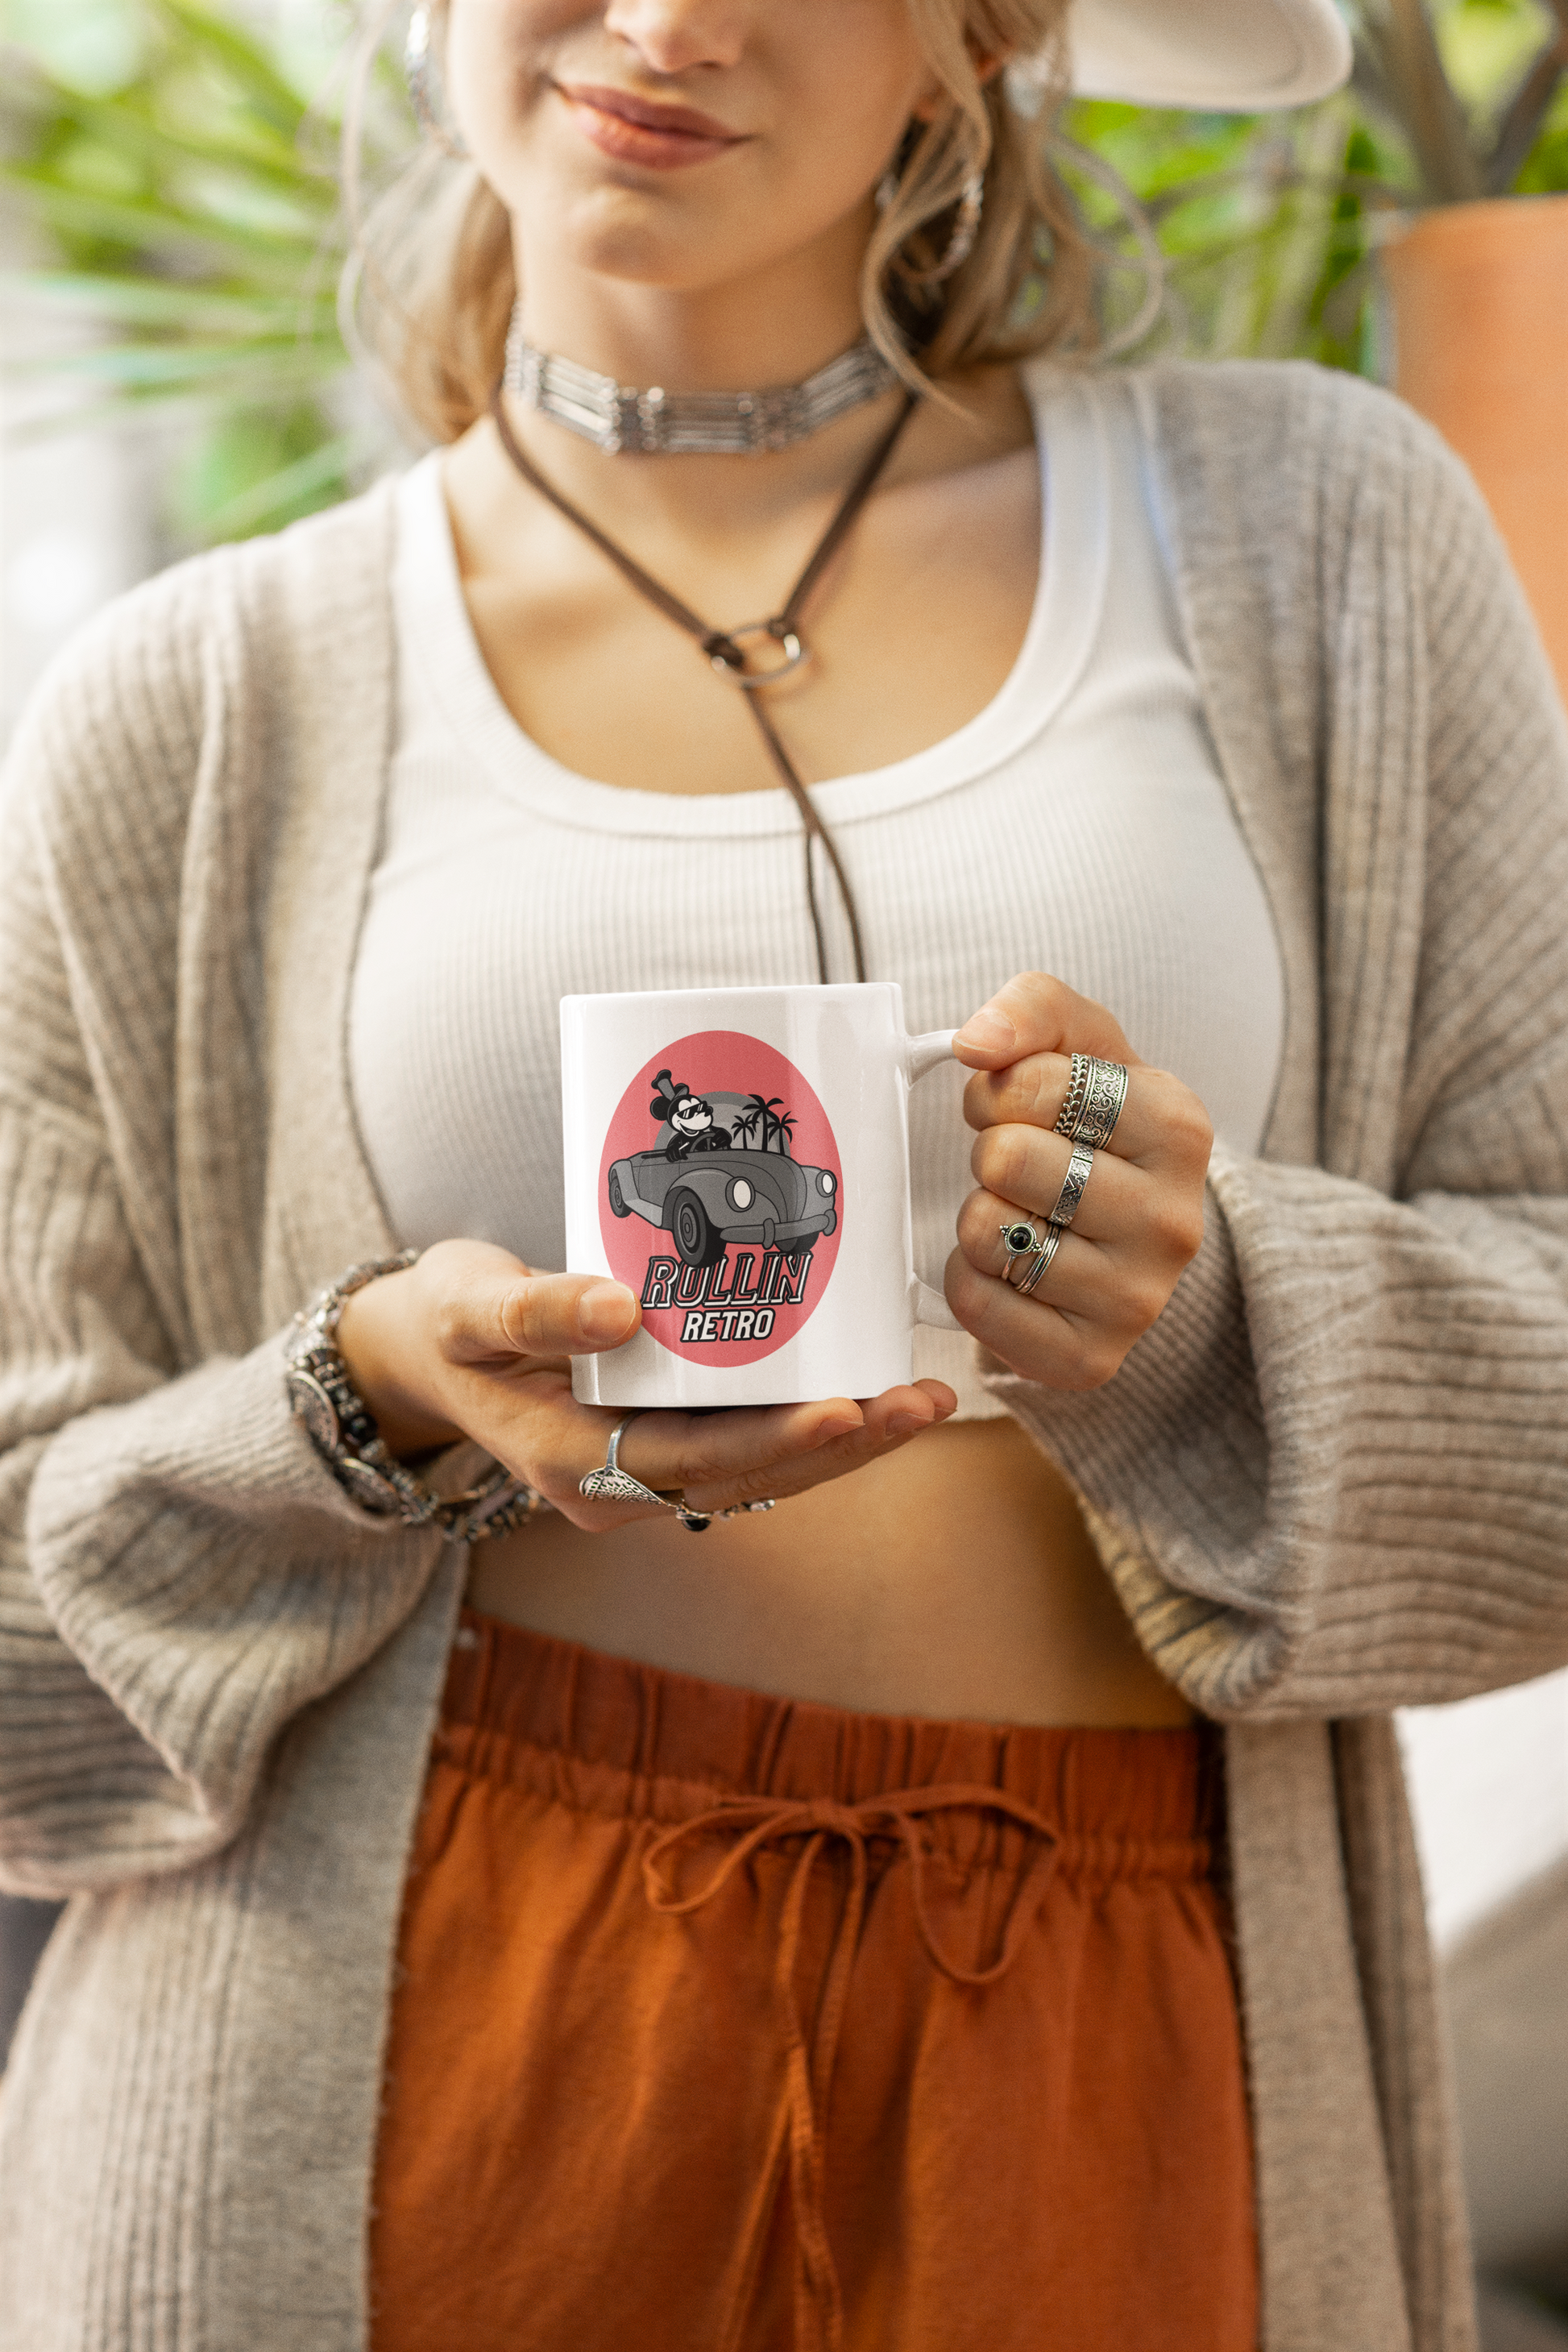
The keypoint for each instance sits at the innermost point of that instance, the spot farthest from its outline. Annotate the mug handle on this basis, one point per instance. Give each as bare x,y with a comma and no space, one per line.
921,1054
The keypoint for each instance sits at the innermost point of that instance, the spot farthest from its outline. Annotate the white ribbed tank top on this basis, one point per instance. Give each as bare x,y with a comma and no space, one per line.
1078,825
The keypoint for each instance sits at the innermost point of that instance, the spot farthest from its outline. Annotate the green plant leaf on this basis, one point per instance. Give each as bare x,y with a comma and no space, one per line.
244,59
245,383
121,221
155,364
173,302
129,126
321,470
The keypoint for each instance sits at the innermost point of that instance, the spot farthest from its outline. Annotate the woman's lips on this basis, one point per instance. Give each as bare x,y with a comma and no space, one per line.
639,131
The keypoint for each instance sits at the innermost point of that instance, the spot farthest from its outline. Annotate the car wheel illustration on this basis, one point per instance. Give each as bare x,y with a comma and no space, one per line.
617,1198
693,1232
793,1255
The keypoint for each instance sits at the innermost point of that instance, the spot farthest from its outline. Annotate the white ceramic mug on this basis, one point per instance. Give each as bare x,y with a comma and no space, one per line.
740,1158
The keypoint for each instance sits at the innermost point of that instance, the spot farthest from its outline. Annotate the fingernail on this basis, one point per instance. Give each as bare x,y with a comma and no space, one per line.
988,1032
900,1423
605,1311
838,1427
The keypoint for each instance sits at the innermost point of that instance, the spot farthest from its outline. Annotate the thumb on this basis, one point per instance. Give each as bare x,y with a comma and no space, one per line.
565,1314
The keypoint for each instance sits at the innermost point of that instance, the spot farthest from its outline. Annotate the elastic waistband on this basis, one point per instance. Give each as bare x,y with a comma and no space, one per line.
610,1735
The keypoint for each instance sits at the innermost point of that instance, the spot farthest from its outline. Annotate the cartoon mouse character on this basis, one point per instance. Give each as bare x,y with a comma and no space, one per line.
690,1119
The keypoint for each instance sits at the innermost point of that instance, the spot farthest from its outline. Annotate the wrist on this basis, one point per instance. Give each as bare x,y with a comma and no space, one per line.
376,1339
344,1426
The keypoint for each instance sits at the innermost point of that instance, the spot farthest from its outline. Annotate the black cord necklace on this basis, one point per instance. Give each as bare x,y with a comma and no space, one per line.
726,648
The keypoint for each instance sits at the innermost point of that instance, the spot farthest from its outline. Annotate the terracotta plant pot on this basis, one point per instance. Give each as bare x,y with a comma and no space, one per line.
1479,296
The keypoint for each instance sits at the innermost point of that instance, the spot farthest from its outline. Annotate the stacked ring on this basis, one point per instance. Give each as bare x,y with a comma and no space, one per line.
1072,1101
1070,1199
1023,1240
1093,1103
1019,1238
1042,1259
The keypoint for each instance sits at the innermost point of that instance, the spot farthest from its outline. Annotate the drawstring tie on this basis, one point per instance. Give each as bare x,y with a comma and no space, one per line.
756,1821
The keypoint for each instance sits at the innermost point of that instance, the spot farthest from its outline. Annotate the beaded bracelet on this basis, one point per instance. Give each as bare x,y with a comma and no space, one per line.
343,1431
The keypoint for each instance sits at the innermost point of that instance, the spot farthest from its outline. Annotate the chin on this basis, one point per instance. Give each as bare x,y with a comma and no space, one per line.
626,234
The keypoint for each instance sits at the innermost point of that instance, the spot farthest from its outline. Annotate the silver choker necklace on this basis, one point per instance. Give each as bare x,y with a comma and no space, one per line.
618,417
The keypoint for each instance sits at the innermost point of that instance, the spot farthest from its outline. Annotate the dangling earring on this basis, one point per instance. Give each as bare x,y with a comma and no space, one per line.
419,71
965,228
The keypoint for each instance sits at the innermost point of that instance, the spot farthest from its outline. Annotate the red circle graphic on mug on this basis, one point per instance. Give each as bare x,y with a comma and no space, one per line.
719,1197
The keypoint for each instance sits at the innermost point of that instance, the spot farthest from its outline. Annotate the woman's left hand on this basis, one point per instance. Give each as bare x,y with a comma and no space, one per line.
1140,1219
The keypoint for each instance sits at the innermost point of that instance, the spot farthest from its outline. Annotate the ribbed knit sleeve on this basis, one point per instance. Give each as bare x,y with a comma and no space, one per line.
1333,1477
179,1572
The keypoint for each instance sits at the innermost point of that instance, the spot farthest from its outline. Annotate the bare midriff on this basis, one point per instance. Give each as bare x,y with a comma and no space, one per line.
954,1578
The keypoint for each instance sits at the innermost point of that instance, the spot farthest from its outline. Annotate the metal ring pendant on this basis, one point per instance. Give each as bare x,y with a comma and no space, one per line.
794,654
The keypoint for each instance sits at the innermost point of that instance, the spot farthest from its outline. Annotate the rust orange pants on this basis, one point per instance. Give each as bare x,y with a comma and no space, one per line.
726,2021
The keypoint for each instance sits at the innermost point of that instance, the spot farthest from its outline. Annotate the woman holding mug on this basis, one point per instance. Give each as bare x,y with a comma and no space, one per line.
971,1903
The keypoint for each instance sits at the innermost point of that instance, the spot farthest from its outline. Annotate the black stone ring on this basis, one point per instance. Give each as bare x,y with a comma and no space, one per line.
1019,1238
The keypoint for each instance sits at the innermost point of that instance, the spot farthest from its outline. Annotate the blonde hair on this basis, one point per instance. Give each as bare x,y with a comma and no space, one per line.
430,285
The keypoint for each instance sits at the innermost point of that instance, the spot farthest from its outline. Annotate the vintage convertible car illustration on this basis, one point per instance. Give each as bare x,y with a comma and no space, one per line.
717,1197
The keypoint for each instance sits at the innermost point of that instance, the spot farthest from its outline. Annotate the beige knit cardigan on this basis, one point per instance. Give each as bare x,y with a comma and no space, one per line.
1331,1479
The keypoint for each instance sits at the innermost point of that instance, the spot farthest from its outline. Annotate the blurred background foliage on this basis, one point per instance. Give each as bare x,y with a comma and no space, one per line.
169,171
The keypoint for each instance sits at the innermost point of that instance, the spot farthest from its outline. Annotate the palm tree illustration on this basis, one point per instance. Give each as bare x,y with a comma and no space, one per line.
762,1109
783,1127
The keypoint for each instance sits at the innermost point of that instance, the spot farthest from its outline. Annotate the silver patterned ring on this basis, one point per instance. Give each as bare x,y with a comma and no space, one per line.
1018,1238
1041,1259
1070,1198
611,1484
1095,1096
1078,1069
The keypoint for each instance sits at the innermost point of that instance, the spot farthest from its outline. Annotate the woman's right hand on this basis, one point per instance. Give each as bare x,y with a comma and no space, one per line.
470,1342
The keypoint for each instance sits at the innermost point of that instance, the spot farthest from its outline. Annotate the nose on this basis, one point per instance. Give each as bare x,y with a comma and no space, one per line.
671,36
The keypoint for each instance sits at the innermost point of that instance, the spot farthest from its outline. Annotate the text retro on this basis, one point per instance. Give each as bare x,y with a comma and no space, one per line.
723,1301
